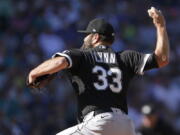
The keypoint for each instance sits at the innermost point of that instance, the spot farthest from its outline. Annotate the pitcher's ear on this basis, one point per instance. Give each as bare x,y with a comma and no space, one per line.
95,38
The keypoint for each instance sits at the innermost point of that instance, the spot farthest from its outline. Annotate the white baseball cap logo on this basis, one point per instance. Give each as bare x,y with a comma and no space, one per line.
94,30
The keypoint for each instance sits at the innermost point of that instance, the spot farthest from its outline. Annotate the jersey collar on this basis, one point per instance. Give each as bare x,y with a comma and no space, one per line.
102,46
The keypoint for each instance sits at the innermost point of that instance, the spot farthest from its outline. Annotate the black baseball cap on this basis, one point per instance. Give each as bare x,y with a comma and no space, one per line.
99,25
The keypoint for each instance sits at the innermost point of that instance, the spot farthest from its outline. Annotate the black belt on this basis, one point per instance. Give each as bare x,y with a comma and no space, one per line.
99,111
96,112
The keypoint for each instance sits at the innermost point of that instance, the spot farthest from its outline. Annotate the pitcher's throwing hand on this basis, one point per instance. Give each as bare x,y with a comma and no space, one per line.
157,16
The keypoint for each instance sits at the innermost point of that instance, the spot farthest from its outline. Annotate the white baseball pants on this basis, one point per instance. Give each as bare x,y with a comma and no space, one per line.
108,123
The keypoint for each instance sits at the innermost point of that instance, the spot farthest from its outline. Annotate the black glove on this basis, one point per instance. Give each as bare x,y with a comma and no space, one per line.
41,81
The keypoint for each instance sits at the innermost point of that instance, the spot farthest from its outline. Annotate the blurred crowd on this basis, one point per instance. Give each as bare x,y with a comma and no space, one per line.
31,31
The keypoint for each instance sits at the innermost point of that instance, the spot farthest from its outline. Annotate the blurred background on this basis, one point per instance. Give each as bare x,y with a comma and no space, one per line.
31,31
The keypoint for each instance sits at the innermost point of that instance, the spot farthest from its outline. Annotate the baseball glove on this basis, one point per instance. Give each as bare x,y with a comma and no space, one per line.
41,81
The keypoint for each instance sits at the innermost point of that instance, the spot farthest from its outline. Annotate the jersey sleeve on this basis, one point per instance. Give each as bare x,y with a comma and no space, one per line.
73,57
138,62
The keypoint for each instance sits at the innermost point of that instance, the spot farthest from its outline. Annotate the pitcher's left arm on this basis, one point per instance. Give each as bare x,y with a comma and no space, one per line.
48,67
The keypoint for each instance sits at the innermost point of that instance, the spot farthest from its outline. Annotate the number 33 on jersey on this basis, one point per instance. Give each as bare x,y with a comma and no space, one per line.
103,82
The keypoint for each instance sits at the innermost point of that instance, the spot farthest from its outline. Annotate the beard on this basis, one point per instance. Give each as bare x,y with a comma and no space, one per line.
87,44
